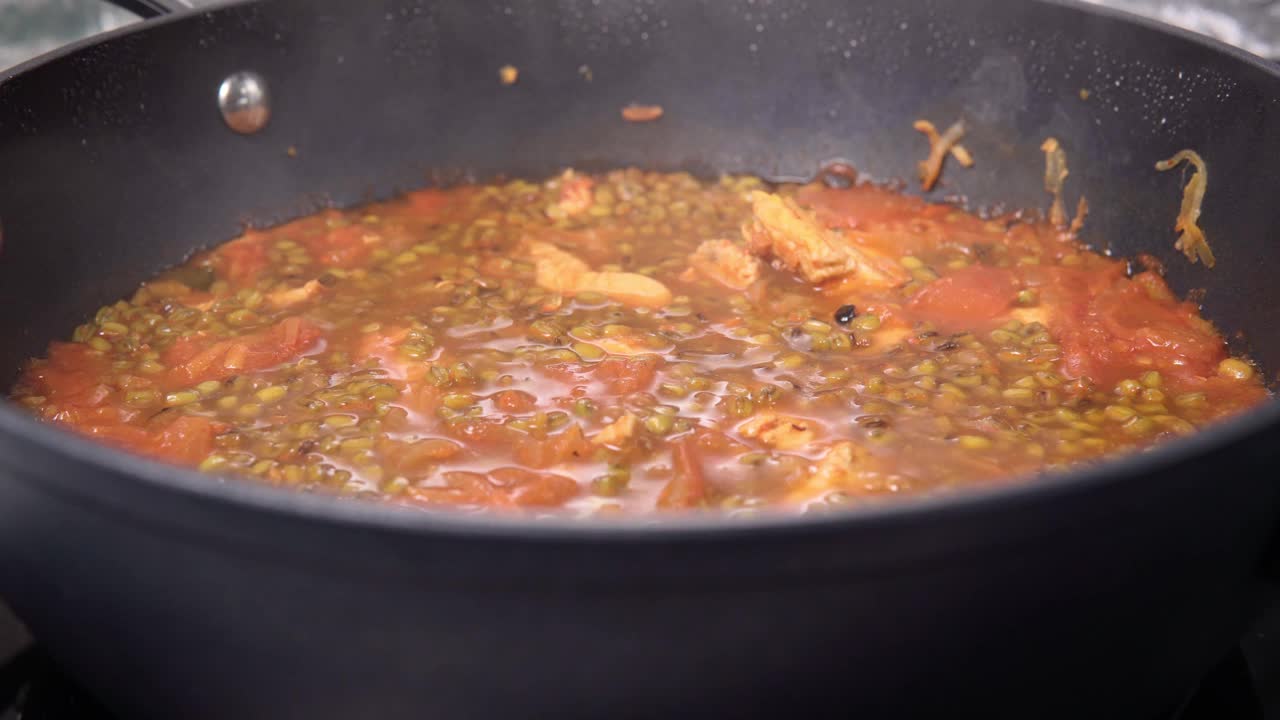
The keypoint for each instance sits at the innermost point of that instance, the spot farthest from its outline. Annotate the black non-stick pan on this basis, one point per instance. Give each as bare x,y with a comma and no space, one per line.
1096,594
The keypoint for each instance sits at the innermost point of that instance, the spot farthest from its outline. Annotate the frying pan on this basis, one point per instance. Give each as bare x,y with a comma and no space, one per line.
1100,593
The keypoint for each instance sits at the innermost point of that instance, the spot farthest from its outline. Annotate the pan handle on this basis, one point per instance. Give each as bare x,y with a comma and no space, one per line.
147,9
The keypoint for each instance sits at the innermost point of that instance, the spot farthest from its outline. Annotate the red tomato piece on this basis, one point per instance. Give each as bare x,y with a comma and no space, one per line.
197,358
504,487
526,488
422,397
460,488
687,487
563,447
125,437
430,203
342,247
514,401
384,346
966,297
1111,328
480,432
717,442
1168,333
242,260
575,194
84,416
73,375
185,441
861,206
623,376
569,374
414,459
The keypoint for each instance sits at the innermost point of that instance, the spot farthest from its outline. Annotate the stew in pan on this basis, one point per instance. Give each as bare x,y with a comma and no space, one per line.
637,341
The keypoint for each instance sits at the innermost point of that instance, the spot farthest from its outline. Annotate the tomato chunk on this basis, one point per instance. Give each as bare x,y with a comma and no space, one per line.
414,459
514,401
562,447
242,260
1127,330
342,247
503,487
966,297
623,375
435,205
72,375
186,441
860,207
197,358
531,489
687,488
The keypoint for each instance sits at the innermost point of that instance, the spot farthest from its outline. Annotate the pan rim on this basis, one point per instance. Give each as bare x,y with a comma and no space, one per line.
138,25
154,477
151,476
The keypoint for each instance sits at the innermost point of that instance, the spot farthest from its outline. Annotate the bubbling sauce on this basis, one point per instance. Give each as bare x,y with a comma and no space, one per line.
636,342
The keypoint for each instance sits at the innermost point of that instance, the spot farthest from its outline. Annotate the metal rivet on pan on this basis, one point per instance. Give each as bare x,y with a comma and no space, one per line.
244,102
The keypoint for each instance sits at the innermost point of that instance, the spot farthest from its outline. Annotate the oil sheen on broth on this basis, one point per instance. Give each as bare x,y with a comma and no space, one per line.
637,342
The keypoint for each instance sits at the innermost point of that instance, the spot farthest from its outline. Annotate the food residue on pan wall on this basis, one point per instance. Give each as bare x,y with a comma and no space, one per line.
1191,239
1082,212
1055,176
939,147
642,113
508,74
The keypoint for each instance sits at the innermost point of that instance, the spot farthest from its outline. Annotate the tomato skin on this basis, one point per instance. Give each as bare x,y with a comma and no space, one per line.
342,247
480,432
197,358
623,376
72,375
506,487
1144,331
460,488
435,205
428,203
618,375
526,488
186,441
242,260
568,374
861,206
957,301
1111,327
687,487
716,442
416,458
563,447
514,401
383,346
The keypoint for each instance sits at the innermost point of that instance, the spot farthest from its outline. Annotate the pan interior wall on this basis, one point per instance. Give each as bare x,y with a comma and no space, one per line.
117,163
